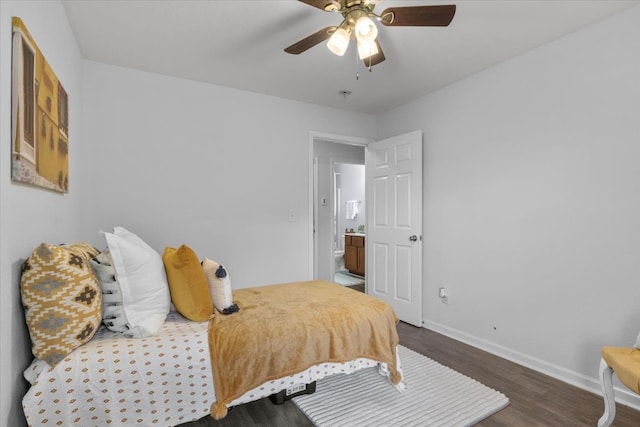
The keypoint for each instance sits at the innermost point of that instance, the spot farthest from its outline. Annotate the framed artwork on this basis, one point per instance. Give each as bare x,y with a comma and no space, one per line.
40,117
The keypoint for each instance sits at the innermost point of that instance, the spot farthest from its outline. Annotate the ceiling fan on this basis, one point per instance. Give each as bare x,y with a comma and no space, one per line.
358,24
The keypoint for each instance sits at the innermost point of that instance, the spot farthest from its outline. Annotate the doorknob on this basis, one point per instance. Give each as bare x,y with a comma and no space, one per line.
413,238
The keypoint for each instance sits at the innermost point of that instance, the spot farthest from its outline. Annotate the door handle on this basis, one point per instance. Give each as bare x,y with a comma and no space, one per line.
413,238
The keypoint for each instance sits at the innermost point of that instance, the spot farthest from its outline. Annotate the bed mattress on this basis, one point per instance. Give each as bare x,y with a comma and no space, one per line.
163,380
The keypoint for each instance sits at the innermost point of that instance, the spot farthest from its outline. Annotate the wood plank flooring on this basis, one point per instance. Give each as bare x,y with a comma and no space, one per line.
536,399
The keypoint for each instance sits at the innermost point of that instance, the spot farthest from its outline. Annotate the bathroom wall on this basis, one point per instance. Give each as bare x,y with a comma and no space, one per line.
351,188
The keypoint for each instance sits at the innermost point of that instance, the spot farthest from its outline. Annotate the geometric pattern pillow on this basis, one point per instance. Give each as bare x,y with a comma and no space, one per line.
113,315
61,298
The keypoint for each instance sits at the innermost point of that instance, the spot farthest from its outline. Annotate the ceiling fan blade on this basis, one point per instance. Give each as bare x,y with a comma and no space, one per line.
418,16
376,58
328,5
310,41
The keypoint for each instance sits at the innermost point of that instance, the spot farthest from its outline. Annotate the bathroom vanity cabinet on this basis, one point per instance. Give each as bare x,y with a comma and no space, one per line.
354,254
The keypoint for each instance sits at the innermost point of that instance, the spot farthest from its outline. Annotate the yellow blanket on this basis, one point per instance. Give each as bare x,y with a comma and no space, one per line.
281,330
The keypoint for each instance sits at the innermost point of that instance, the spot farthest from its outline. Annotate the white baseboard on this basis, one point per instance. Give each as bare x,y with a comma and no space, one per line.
584,382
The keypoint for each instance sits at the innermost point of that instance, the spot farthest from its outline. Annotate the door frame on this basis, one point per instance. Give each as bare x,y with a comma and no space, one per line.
313,207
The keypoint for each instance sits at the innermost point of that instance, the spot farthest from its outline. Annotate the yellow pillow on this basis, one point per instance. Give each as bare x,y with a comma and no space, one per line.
187,283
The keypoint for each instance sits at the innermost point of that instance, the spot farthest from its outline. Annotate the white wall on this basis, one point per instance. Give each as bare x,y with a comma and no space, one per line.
218,169
28,215
532,200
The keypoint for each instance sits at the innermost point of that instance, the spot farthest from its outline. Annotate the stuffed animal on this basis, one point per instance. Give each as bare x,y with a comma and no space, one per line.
219,286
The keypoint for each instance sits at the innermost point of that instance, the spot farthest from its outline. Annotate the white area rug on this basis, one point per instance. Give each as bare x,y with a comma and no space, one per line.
434,396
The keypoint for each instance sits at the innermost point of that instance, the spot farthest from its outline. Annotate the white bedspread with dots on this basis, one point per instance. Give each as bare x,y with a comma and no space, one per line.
163,380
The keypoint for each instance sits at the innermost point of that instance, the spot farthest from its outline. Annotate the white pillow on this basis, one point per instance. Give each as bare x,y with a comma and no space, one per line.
143,282
219,284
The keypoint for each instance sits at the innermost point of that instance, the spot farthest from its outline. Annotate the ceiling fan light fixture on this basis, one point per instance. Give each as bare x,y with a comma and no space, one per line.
359,23
367,49
366,30
339,41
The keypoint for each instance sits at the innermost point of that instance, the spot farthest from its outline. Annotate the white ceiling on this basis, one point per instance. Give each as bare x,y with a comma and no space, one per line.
240,44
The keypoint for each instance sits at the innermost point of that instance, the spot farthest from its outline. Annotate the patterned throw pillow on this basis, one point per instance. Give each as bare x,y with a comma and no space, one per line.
113,315
62,299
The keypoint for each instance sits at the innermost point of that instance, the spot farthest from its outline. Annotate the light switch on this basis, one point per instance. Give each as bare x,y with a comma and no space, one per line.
293,215
323,200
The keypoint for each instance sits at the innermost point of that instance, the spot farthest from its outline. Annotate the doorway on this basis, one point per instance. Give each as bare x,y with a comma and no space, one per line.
331,158
393,170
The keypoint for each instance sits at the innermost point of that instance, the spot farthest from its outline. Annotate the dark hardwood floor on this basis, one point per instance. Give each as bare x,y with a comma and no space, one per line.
536,399
359,288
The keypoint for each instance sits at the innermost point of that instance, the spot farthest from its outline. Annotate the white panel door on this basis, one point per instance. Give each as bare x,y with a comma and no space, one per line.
394,223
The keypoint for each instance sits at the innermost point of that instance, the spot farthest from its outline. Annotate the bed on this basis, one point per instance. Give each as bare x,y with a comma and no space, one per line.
299,332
